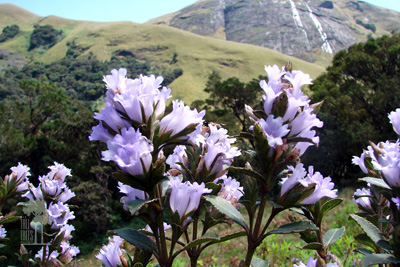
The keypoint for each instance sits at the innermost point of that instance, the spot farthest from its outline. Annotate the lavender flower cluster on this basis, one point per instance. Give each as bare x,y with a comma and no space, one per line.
50,196
288,127
136,131
381,160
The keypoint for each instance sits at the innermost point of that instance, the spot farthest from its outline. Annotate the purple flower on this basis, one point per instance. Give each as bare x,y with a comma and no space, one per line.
274,77
68,252
396,201
58,172
219,151
166,226
360,161
274,130
388,162
111,254
298,174
362,198
116,82
112,118
66,195
394,117
180,119
100,133
269,97
53,254
2,232
185,197
302,146
178,156
67,229
131,194
59,214
231,190
130,150
323,187
304,122
311,263
20,173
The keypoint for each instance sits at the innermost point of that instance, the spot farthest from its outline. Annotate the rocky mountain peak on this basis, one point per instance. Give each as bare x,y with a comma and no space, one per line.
300,28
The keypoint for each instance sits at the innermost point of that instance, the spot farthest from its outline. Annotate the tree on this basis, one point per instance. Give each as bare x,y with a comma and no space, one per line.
359,89
44,36
9,32
230,96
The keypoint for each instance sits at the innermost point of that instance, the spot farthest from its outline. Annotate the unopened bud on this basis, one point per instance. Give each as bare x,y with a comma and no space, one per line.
316,106
289,66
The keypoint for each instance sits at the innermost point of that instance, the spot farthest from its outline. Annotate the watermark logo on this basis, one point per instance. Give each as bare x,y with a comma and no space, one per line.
32,223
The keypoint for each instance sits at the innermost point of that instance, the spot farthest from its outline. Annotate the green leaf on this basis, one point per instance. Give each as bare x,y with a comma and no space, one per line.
294,227
366,241
375,181
329,205
205,238
137,204
257,262
9,219
232,236
247,172
371,230
364,251
373,259
137,239
225,207
332,236
313,246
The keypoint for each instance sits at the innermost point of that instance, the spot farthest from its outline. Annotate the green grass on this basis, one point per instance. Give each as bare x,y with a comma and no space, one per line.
280,250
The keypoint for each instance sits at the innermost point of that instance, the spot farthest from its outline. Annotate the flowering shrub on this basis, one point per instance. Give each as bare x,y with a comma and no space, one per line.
174,175
379,203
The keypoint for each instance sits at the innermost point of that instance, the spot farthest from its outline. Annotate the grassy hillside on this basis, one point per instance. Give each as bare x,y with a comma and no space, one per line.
198,56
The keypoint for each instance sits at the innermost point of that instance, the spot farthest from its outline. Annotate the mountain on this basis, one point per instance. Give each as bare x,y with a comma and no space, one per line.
308,29
158,45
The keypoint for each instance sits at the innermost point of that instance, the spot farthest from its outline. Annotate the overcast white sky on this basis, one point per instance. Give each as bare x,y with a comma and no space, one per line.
138,11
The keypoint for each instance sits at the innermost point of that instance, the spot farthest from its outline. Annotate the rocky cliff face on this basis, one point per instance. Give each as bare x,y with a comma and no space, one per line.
298,28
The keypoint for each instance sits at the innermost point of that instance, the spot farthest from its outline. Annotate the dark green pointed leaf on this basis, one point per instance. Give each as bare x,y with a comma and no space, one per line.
366,241
205,238
329,205
247,172
232,236
137,239
228,209
294,227
313,246
9,219
257,262
364,251
375,181
373,259
384,244
332,236
371,230
137,204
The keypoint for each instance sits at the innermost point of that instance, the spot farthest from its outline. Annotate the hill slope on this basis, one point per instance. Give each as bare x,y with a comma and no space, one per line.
196,55
307,29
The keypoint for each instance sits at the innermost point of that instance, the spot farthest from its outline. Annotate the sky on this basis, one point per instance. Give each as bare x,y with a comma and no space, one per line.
138,11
